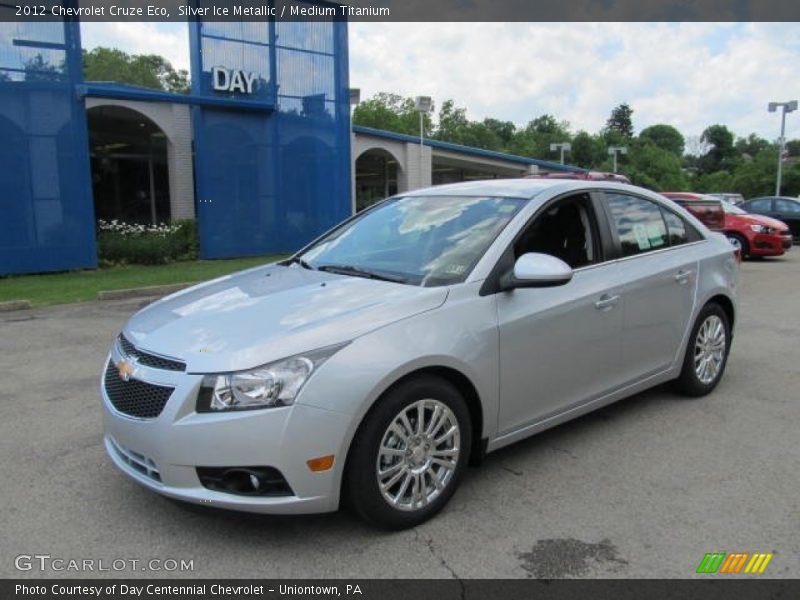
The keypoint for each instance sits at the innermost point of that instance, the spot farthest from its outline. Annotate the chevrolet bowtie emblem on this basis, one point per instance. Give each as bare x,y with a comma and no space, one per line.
125,370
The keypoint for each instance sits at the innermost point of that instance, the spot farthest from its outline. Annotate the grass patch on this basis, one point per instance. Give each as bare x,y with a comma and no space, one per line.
79,286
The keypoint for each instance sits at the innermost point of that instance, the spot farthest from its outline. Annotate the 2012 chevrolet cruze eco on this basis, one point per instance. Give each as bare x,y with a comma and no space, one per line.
423,332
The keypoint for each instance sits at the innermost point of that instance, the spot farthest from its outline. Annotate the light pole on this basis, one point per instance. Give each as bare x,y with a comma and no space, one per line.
615,151
423,105
786,107
563,146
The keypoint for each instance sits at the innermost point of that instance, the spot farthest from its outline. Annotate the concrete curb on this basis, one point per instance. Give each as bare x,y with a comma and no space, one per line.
144,292
14,305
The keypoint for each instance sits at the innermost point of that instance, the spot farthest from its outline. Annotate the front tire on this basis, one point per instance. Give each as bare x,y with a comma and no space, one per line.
409,453
707,352
740,242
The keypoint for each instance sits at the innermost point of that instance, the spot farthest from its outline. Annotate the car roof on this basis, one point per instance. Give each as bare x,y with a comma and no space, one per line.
517,188
792,198
689,196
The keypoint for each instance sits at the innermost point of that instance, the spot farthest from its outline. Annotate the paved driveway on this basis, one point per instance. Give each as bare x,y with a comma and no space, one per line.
643,488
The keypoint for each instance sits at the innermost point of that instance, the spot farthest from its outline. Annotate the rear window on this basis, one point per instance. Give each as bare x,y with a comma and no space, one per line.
676,228
639,224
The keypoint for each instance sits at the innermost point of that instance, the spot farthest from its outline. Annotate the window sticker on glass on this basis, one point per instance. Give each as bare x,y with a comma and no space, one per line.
507,208
642,239
455,269
655,235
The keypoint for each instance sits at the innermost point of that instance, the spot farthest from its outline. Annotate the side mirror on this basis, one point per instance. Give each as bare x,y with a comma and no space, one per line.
537,270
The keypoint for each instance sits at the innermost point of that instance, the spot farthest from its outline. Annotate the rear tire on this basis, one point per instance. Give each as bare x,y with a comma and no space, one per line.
706,353
399,474
739,241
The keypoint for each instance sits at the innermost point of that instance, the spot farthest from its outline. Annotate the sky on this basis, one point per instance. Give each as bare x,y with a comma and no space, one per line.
689,75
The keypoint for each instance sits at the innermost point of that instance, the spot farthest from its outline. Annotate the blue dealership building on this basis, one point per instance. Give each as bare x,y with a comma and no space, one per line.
270,120
261,151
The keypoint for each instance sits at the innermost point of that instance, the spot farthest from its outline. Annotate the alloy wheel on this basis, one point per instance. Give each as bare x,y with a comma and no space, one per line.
709,349
418,455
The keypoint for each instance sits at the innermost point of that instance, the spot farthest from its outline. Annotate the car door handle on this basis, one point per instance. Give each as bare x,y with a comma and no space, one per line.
683,276
606,302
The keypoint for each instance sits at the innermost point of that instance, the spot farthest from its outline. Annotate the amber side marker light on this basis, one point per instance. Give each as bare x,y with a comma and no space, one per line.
322,463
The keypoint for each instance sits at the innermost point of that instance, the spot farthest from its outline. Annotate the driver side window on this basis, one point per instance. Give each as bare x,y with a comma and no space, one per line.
567,230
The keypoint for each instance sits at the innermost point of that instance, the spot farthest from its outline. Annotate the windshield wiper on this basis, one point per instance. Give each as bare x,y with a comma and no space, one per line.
300,261
359,272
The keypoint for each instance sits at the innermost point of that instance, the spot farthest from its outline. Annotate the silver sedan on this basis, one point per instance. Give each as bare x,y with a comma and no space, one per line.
422,333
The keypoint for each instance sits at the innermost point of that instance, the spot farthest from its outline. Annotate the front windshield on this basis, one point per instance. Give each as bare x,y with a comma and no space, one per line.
421,240
732,209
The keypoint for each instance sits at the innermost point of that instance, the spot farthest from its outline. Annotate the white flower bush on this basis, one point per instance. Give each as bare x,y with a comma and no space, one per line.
126,229
120,243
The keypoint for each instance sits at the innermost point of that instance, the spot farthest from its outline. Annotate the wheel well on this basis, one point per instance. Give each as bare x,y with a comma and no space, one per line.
467,390
470,394
726,305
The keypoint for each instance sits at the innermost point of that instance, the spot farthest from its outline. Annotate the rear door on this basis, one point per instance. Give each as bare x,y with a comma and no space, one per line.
659,273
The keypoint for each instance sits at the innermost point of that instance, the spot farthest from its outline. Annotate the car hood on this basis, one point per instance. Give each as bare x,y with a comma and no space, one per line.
762,220
254,317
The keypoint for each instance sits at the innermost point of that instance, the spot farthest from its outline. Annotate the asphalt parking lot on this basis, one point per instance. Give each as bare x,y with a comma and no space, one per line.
643,488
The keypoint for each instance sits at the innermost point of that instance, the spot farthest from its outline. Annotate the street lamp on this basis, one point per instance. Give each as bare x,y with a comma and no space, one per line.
615,151
563,146
423,105
786,107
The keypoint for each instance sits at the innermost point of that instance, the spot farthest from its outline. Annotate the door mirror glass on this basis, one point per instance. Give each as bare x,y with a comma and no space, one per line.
537,270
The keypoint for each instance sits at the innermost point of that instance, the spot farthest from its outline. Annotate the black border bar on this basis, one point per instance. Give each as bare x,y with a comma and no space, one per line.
404,10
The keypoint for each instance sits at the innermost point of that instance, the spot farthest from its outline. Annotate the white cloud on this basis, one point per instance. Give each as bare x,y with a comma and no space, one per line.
690,75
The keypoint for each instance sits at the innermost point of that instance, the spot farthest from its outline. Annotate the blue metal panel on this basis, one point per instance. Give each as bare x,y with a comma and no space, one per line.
46,211
271,182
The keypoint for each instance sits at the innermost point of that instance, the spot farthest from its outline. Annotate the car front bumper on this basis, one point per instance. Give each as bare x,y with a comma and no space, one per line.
763,244
163,453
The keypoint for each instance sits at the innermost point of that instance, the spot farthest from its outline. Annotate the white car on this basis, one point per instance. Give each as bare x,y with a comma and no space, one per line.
418,335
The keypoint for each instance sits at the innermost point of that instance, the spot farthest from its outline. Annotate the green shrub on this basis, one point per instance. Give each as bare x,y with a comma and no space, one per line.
124,243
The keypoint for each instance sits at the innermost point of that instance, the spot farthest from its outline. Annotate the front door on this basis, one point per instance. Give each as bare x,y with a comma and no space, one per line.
560,346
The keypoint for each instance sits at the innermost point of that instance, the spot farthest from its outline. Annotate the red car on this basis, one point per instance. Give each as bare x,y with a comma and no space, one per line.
586,175
754,235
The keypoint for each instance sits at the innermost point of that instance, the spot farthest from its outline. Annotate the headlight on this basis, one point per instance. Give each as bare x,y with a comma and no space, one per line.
274,384
761,228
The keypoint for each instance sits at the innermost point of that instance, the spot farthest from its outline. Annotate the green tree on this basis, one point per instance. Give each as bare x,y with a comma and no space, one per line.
534,140
752,145
453,123
757,177
504,130
721,152
146,70
390,112
654,167
587,150
718,181
621,120
793,147
665,137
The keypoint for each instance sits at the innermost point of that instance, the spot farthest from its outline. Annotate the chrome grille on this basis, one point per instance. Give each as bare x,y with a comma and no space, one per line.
149,360
133,397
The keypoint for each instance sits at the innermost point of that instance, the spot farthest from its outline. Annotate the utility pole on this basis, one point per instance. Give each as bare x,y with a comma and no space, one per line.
786,107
